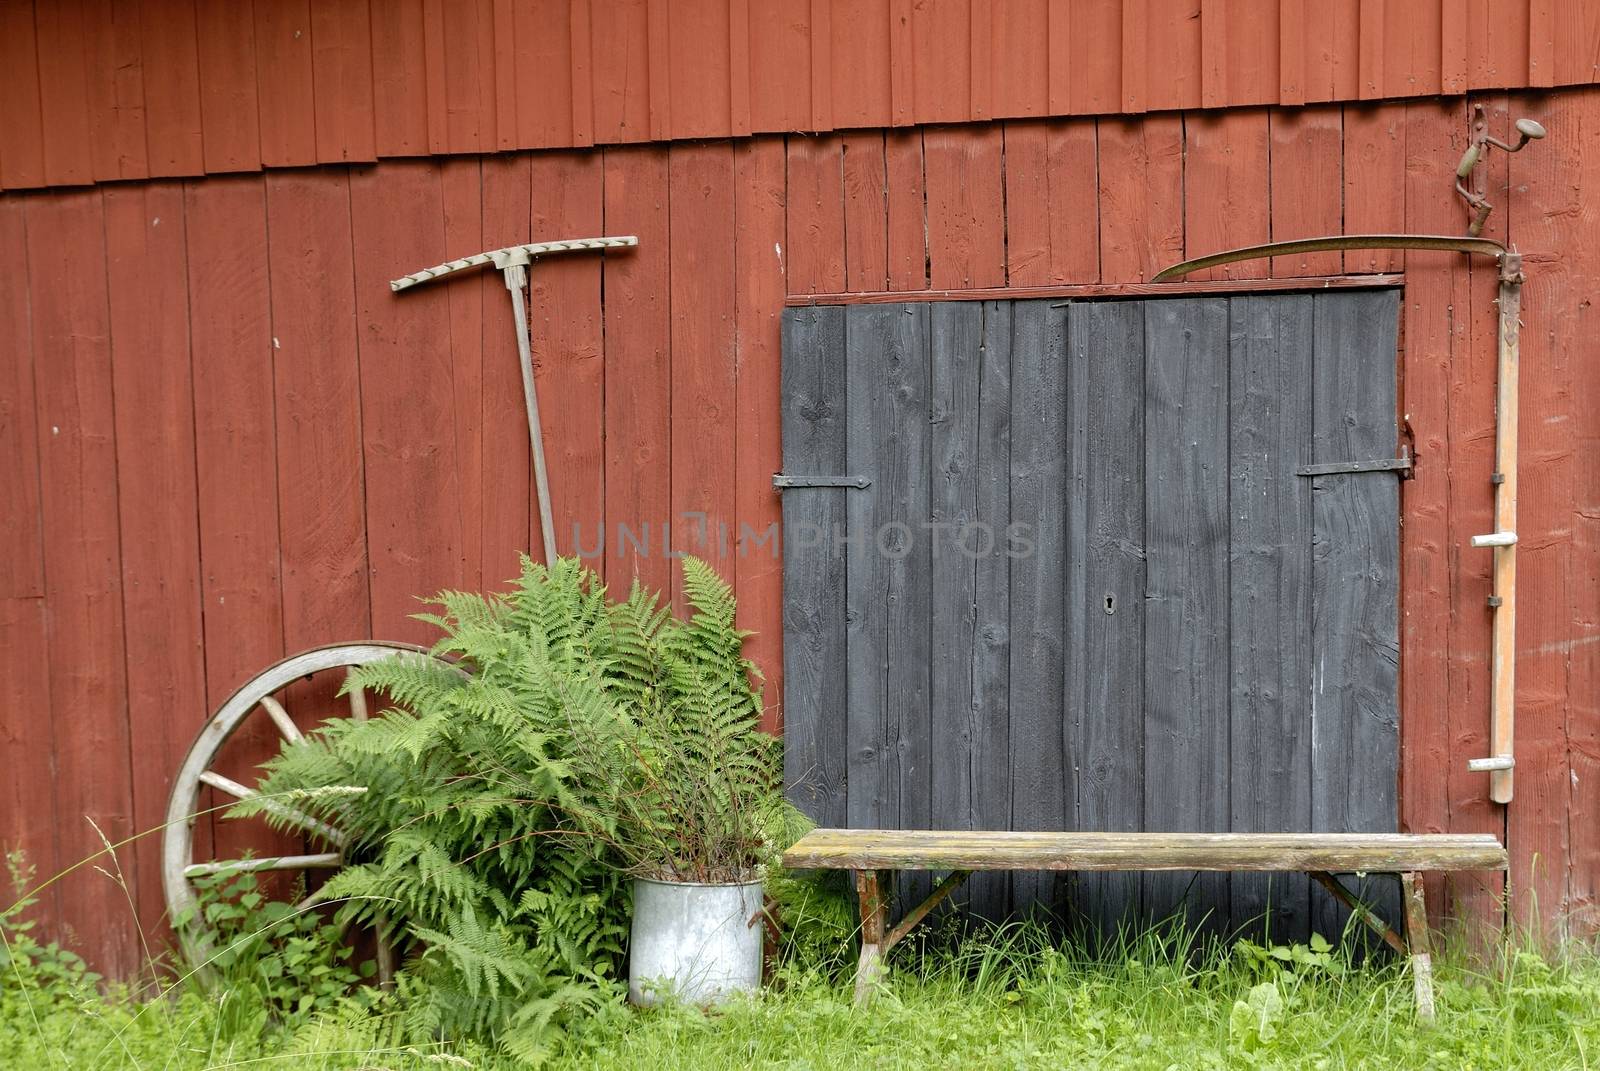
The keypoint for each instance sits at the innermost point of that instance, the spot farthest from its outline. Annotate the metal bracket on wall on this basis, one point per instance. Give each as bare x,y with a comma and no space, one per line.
1401,466
781,482
1502,690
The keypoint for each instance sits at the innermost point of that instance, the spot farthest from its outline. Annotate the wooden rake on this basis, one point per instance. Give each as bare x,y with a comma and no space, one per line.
513,262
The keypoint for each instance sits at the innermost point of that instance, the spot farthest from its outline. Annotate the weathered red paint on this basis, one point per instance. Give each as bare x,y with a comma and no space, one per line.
348,449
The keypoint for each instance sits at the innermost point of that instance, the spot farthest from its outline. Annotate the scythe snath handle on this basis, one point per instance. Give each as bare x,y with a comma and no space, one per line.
512,262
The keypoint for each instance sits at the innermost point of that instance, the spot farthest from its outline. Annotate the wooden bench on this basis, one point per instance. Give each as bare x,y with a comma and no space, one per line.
871,852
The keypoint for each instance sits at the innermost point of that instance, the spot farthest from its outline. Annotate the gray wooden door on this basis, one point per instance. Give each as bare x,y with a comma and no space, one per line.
1085,585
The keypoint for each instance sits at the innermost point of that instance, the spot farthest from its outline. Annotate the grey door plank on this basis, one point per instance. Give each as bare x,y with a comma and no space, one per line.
1037,545
1355,568
1108,350
1270,418
1186,576
953,433
813,389
990,894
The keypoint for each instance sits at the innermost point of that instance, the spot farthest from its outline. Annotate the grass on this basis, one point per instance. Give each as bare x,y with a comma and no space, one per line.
1006,999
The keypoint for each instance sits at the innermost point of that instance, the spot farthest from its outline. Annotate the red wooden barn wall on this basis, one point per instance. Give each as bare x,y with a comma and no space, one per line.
223,438
105,89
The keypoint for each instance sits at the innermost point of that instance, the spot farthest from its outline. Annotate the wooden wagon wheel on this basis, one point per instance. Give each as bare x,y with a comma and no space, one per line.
178,865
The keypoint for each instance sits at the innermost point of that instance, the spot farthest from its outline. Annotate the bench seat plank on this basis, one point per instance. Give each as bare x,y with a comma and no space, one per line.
912,849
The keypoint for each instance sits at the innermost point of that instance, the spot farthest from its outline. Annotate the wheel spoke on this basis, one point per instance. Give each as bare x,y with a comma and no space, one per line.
288,814
322,860
358,698
280,717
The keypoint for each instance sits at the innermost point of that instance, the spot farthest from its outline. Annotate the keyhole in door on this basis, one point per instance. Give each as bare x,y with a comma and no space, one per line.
1111,604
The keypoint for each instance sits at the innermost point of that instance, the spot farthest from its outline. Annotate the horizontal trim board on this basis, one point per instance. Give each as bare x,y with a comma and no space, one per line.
904,849
1101,291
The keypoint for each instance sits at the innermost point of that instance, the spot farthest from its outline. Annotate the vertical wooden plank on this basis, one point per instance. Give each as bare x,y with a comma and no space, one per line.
1270,654
461,189
954,400
1354,577
1333,46
963,169
1541,43
1094,70
408,437
902,62
83,590
1050,178
858,56
284,70
621,71
63,94
980,37
317,404
1214,89
698,70
1027,203
700,209
866,212
738,67
990,710
758,446
1226,200
1107,352
1186,609
941,62
171,87
341,69
22,135
659,68
1426,567
1253,52
1370,50
229,108
115,69
638,316
1497,44
230,330
436,78
1135,47
152,387
1042,788
568,347
1141,197
821,63
1374,181
907,231
1453,46
543,62
1577,46
27,807
467,51
399,78
1582,113
1412,42
818,718
1292,52
506,518
1555,532
22,567
1174,49
29,820
1020,58
780,57
1307,185
815,246
889,569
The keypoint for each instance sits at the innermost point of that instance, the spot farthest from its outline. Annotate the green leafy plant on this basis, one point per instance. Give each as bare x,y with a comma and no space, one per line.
25,962
553,743
270,960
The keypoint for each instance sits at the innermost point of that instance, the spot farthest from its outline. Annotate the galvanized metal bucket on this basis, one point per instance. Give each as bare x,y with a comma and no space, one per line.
696,943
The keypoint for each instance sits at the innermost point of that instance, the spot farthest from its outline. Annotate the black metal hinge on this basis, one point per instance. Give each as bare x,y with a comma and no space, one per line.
1401,466
781,482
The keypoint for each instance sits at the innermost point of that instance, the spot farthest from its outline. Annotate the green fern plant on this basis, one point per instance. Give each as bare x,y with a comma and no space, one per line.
553,744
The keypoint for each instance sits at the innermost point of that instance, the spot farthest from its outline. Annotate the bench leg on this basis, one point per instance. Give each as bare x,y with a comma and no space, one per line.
1417,941
874,919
